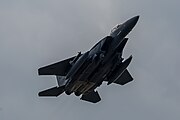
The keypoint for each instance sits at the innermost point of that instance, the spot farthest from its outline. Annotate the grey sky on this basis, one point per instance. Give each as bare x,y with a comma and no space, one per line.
34,33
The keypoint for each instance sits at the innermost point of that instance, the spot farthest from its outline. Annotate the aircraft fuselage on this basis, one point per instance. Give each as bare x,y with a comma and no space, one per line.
92,67
83,73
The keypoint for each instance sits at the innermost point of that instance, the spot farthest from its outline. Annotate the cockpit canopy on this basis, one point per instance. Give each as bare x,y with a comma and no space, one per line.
115,28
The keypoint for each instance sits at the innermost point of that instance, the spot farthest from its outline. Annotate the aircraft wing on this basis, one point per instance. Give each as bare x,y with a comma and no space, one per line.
124,78
60,68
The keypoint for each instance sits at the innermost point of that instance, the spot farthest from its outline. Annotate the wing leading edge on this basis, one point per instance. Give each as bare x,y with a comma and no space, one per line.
59,68
124,78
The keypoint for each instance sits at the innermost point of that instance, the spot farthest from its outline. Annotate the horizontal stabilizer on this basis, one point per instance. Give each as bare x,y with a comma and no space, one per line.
91,97
60,68
124,78
54,92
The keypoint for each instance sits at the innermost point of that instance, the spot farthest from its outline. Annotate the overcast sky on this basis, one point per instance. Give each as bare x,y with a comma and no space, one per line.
34,33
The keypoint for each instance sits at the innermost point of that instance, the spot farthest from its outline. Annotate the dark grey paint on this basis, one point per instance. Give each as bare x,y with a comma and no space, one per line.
34,33
85,72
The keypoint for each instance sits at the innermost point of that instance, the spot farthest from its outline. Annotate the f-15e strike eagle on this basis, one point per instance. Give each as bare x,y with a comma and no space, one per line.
83,73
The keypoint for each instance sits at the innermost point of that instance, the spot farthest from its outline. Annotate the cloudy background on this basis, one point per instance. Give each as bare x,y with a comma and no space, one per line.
34,33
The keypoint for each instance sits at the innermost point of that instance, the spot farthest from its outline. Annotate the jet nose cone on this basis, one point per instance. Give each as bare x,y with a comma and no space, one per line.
125,28
135,19
132,22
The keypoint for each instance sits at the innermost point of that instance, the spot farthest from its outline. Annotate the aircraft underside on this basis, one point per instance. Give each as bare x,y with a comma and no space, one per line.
83,73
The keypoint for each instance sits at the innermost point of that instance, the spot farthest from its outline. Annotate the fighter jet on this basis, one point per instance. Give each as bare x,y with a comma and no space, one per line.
84,72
